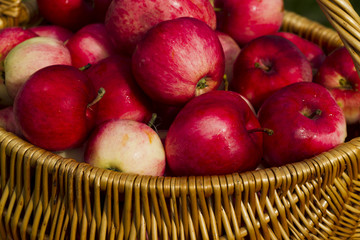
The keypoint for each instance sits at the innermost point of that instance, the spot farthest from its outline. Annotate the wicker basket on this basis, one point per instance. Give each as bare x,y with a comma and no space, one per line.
44,196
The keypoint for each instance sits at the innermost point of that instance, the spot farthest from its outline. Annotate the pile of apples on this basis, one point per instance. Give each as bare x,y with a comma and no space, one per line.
184,87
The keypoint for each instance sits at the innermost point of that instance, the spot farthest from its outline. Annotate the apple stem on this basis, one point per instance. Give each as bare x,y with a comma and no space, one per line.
83,68
152,120
200,85
315,114
216,9
226,83
100,95
262,66
264,130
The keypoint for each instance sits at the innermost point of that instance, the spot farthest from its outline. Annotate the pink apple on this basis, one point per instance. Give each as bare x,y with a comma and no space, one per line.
123,98
249,19
305,120
128,20
231,52
339,76
89,45
127,146
54,31
7,121
267,64
177,60
9,38
216,133
53,108
314,54
73,14
28,57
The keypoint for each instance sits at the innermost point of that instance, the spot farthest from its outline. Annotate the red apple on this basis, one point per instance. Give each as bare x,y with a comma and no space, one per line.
54,31
7,120
339,76
28,57
177,60
127,146
305,120
90,44
231,52
123,98
249,19
216,133
128,20
267,64
73,14
53,108
314,54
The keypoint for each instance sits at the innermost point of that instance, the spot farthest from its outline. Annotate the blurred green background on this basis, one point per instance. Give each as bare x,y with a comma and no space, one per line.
311,9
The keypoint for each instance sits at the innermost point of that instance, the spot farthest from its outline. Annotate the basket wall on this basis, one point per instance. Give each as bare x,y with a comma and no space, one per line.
44,196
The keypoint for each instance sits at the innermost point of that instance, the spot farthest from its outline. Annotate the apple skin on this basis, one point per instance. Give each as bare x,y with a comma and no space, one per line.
73,14
128,20
249,19
28,57
174,57
127,146
7,121
54,31
299,132
212,135
90,44
259,73
314,54
339,76
123,98
231,52
52,110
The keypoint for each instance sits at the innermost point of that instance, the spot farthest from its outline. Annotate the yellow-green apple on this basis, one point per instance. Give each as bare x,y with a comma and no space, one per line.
314,54
126,146
339,76
73,14
128,20
29,56
305,120
249,19
231,52
9,38
54,31
213,134
54,108
177,60
90,44
267,64
123,97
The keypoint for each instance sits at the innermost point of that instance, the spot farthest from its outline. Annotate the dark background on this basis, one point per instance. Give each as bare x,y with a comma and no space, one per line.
311,9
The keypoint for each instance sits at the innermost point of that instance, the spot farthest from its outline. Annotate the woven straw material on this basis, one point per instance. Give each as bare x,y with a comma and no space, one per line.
18,13
44,196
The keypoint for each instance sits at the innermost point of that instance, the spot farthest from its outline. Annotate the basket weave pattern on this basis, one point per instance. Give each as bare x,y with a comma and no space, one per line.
44,196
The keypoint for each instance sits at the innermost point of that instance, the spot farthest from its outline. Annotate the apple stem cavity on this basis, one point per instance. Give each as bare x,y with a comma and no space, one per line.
200,86
313,115
268,131
262,66
83,68
344,84
100,95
